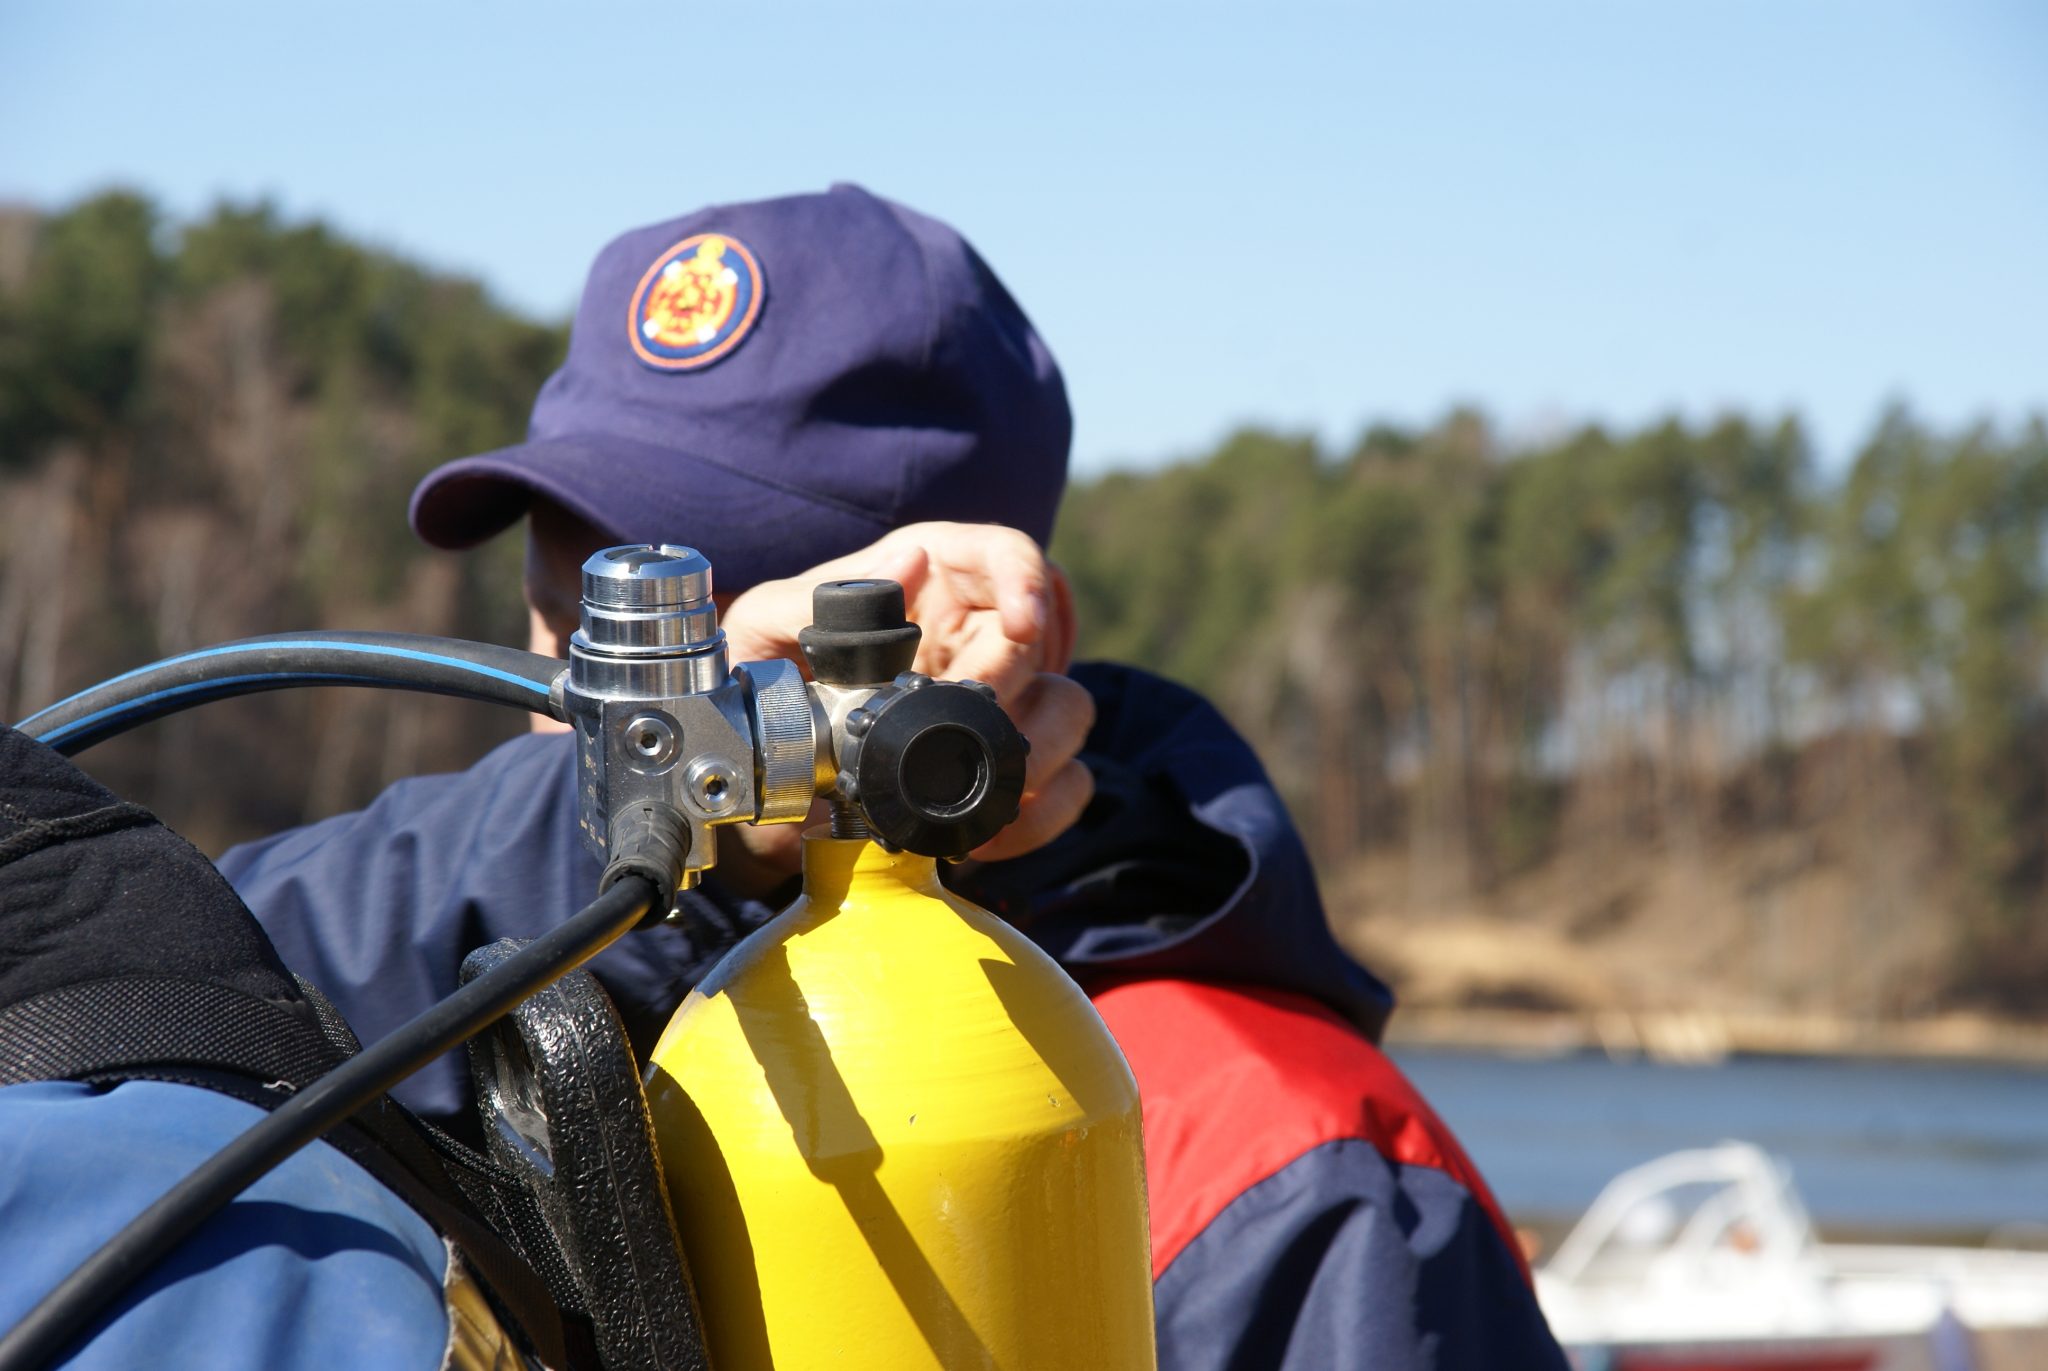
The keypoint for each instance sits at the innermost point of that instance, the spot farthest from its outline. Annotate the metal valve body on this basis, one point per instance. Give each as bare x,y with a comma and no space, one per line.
672,741
665,730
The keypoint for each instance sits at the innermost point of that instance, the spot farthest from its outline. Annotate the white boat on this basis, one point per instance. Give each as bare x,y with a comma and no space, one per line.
1706,1261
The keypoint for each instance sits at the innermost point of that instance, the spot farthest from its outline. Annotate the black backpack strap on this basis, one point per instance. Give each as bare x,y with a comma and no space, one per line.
134,1026
333,1027
376,1141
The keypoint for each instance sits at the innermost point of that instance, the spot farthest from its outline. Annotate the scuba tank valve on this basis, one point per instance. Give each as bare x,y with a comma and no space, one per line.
671,744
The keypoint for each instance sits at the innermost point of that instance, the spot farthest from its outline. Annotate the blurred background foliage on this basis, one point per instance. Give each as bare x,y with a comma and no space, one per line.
209,431
1670,679
1661,690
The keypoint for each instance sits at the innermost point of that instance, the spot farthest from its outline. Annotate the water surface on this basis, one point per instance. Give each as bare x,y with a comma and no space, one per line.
1873,1145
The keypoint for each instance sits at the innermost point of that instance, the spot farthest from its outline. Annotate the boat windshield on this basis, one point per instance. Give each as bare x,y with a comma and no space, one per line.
1683,1210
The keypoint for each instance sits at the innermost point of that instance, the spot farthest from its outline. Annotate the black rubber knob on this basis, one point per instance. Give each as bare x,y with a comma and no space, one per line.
940,768
858,633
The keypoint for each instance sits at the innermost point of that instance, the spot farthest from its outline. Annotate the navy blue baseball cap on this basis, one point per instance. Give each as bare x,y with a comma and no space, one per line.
779,383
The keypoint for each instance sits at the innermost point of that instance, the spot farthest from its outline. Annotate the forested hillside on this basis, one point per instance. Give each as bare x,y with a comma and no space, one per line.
211,430
1781,737
1667,693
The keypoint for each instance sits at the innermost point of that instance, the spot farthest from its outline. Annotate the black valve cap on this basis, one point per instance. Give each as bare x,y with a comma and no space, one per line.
858,633
940,771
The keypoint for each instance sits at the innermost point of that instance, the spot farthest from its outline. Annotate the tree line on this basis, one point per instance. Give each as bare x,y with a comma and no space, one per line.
210,430
1477,655
1662,639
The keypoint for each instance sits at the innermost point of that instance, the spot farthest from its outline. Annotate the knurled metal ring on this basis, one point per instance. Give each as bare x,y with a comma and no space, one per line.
785,746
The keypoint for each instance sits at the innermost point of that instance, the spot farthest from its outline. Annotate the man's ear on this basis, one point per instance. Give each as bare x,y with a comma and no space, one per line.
1061,628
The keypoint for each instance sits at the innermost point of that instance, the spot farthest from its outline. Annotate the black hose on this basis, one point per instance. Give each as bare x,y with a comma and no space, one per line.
63,1313
403,661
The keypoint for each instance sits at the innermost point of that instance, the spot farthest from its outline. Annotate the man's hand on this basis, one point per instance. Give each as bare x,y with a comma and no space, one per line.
992,609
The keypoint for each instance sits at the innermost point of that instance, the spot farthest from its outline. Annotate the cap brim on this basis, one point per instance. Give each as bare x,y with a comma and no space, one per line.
638,493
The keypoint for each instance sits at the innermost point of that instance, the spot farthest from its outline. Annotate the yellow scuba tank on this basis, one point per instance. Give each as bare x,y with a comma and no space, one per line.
897,1135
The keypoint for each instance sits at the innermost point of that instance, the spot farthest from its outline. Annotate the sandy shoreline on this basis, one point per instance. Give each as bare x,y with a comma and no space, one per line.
1690,1037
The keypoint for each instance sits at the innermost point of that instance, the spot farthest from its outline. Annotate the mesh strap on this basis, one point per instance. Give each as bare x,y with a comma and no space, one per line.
99,1028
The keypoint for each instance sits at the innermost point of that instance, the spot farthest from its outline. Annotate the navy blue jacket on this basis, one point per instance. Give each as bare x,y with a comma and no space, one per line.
1294,1230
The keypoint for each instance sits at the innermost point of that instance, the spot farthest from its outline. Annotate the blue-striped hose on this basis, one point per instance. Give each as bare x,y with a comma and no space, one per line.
395,661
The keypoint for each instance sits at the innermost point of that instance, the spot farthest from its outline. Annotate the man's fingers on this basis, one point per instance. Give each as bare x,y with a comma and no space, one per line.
984,595
987,656
1055,713
1044,815
1021,594
908,565
1064,630
763,622
987,566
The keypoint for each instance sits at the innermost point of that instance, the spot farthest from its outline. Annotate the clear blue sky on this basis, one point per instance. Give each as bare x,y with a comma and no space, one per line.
1305,217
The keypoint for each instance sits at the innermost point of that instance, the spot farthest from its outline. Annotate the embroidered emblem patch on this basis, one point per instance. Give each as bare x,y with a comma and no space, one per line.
695,304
